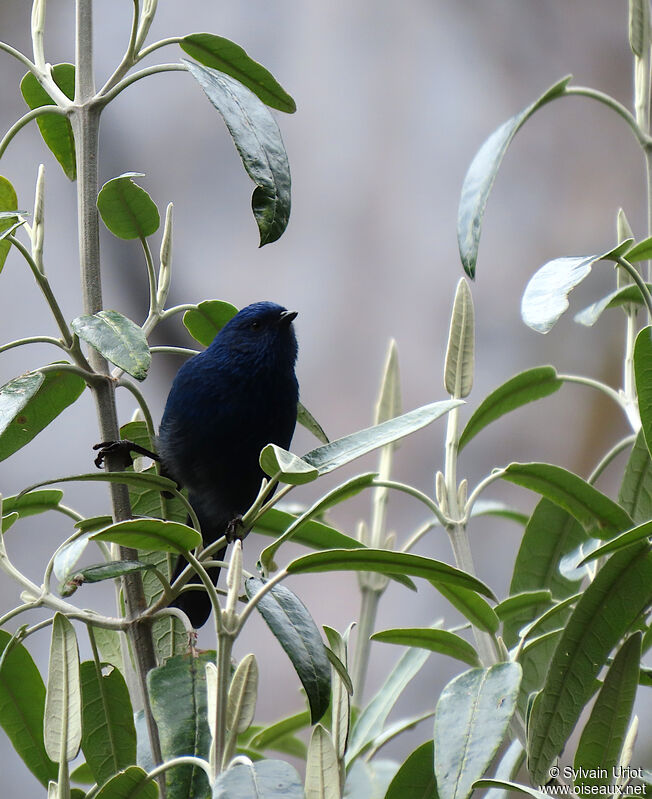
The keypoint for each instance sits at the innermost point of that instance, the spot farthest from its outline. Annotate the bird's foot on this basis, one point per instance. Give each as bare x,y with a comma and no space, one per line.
235,530
121,450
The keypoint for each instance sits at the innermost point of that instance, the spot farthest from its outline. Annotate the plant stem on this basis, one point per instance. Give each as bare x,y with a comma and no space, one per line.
369,600
224,649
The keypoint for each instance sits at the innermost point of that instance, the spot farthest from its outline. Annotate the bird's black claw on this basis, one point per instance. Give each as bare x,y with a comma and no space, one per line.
235,530
121,450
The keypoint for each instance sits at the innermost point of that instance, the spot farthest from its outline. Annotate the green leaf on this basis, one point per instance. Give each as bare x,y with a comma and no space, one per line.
369,780
243,692
643,376
342,690
599,515
178,697
458,369
55,129
278,462
482,173
156,534
533,384
322,769
371,721
640,252
639,27
471,718
205,320
8,202
226,56
272,733
63,720
292,625
132,783
22,708
343,450
386,562
471,606
435,640
416,777
107,571
610,605
118,339
629,295
29,403
266,779
524,604
138,479
635,493
633,536
258,140
307,420
514,787
127,209
310,533
109,738
32,503
603,736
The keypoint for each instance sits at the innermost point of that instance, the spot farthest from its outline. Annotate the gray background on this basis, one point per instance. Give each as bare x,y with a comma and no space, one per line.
393,101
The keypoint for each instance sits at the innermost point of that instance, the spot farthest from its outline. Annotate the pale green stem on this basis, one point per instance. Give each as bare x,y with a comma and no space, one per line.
417,536
210,589
157,46
34,340
31,66
636,277
609,457
597,384
605,99
414,492
475,494
177,309
254,600
369,600
224,649
129,58
38,26
144,73
151,276
188,353
184,760
140,399
26,119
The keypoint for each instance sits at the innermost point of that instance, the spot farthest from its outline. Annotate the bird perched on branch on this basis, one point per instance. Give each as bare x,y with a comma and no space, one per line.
225,405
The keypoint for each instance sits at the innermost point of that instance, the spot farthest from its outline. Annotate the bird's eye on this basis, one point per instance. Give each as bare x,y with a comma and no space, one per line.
255,325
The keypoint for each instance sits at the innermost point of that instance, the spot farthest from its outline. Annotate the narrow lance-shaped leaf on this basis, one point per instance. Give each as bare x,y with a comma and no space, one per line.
340,699
643,376
460,353
471,719
243,692
441,641
293,627
533,384
322,769
118,339
8,202
226,56
63,721
258,140
416,777
307,420
635,494
482,173
154,534
127,209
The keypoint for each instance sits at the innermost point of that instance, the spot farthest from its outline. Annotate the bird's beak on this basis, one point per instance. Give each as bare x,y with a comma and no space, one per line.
287,317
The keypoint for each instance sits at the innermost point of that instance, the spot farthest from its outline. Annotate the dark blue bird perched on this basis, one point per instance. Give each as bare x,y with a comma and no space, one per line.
224,406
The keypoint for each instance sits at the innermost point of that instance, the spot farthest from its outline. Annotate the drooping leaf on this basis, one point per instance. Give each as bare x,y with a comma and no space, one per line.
127,209
460,352
55,128
307,420
643,376
482,173
22,708
633,536
628,295
343,450
29,403
293,627
642,251
477,610
416,777
258,140
205,320
621,590
154,534
63,720
118,339
635,493
8,202
32,503
471,718
109,735
290,469
533,384
266,779
440,641
226,56
602,739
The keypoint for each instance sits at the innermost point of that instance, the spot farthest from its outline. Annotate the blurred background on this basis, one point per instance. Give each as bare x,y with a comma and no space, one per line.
393,101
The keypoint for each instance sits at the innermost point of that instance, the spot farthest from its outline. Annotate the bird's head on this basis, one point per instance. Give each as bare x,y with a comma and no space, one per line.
262,332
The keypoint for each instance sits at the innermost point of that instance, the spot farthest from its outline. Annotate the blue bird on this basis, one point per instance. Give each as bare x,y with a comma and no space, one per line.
225,405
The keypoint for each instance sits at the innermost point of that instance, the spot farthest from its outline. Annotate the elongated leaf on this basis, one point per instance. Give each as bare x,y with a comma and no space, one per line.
310,533
435,640
641,251
387,562
266,779
178,698
118,339
518,604
132,783
258,141
48,394
63,720
55,129
138,479
602,739
342,689
32,503
482,173
472,606
514,787
643,375
471,719
109,739
599,515
103,571
127,209
153,534
416,777
292,625
322,769
460,358
343,450
268,736
242,695
635,493
226,56
8,202
22,709
621,590
628,295
307,420
371,721
533,384
276,461
633,536
206,320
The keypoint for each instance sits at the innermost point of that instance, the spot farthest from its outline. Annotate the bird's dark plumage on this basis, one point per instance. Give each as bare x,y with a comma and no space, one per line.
224,406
